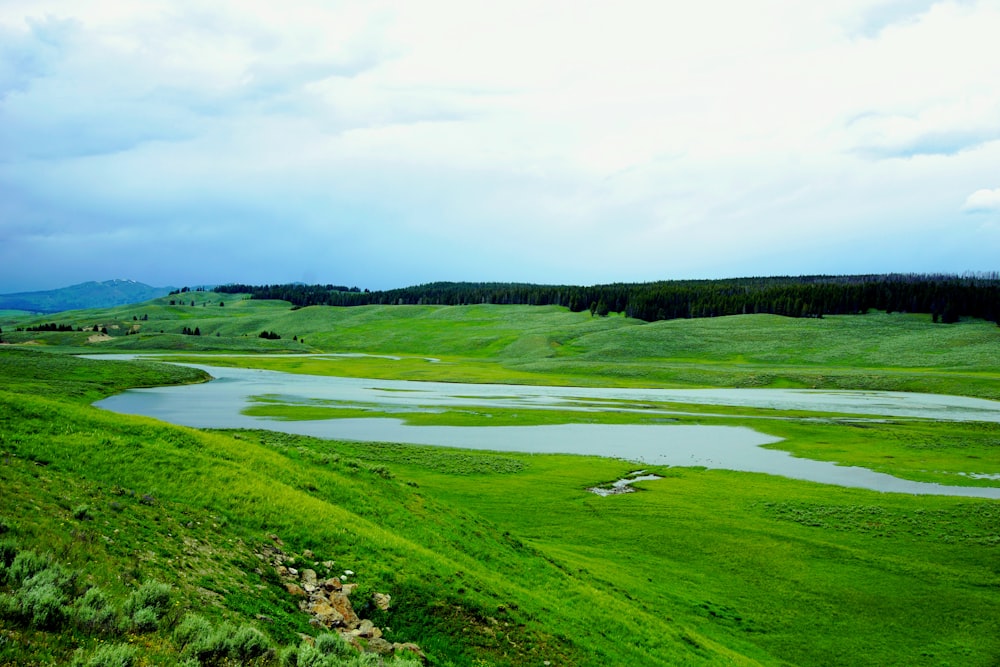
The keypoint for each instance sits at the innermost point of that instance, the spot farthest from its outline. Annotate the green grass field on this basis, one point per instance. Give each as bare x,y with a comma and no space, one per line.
503,559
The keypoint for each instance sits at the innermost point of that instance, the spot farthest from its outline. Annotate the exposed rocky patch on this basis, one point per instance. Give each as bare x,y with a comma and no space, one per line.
327,601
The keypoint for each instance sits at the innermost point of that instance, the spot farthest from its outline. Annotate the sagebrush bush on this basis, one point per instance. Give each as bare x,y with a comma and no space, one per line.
192,630
331,643
201,641
247,643
151,594
42,606
303,655
364,660
112,655
25,565
92,612
145,619
144,608
42,598
10,607
8,551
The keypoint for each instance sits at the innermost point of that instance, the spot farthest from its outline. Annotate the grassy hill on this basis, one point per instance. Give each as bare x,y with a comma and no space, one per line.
489,558
550,345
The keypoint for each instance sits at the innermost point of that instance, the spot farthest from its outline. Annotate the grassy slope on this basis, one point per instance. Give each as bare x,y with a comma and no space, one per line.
703,567
549,345
213,494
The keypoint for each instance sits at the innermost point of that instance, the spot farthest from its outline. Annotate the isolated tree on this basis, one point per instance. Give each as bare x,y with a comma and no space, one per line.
197,331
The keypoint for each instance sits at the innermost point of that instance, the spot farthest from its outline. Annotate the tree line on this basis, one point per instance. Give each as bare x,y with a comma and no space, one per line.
944,297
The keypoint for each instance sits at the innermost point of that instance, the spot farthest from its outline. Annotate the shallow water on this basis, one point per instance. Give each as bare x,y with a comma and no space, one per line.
218,404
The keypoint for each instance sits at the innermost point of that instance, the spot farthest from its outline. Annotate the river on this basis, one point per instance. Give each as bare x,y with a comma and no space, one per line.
219,404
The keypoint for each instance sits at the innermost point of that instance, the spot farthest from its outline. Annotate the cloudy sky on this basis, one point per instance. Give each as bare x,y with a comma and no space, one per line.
385,144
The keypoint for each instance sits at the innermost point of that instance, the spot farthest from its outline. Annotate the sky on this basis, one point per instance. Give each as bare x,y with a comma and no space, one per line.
384,144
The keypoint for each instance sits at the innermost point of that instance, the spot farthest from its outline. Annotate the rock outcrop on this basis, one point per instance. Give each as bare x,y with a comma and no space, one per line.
327,601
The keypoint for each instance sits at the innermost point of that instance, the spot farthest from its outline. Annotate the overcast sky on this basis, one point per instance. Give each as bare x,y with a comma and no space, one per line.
386,144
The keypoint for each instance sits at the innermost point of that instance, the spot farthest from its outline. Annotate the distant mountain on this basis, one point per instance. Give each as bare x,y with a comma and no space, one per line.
85,295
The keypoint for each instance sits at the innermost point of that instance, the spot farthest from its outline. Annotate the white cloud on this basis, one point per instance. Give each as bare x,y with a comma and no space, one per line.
617,132
982,200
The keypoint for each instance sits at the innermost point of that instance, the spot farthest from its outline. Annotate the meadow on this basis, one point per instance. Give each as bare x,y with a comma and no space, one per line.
501,559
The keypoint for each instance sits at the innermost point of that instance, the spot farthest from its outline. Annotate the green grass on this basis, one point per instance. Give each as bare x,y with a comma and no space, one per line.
549,345
506,559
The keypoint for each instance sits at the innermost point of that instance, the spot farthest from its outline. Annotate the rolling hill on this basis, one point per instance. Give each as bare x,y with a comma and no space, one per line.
92,294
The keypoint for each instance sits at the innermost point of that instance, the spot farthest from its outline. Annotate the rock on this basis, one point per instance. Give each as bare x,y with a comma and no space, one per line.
379,646
340,602
307,553
332,584
323,612
294,589
367,629
292,571
348,588
382,600
309,577
409,647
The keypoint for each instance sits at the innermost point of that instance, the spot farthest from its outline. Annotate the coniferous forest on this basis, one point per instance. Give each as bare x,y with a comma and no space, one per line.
944,297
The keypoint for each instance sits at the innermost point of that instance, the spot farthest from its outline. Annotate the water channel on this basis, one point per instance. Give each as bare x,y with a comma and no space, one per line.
219,404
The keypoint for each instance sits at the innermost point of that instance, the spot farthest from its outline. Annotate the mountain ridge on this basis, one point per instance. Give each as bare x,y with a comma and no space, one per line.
91,294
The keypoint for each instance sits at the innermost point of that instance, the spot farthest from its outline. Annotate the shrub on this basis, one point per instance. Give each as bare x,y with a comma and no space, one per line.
302,655
25,565
331,643
364,660
10,607
198,639
43,596
406,662
42,605
247,643
82,513
192,630
8,551
145,619
112,655
92,612
146,606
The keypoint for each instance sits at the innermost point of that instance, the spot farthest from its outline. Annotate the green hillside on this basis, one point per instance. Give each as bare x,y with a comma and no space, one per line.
550,345
124,540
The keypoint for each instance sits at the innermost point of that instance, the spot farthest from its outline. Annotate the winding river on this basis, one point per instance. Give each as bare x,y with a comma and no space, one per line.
219,404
